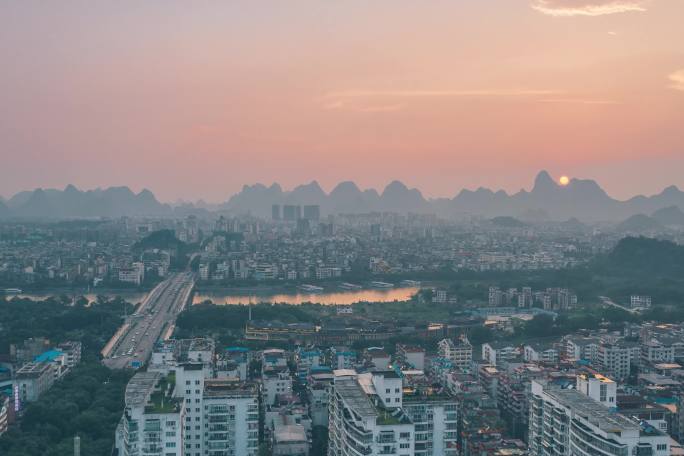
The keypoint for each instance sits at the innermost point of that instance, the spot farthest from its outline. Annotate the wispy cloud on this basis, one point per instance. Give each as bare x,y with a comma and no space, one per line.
587,101
393,100
677,80
567,8
352,105
437,93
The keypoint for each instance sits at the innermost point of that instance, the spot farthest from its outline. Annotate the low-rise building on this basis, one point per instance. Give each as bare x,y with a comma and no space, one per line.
496,353
541,353
33,379
460,353
411,356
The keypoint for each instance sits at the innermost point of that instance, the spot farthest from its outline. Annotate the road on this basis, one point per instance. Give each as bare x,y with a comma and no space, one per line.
609,302
132,345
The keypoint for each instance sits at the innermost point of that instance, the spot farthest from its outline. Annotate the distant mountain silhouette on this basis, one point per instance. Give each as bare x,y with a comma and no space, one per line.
71,202
398,198
669,216
346,197
582,199
311,193
639,223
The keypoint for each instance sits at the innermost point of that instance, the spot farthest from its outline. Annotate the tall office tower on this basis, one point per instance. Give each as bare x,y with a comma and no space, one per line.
291,212
312,212
275,212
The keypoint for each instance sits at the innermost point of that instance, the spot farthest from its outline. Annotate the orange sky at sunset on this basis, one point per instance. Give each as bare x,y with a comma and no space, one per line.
195,99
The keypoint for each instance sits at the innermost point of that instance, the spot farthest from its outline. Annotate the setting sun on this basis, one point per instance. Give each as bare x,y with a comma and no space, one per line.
564,180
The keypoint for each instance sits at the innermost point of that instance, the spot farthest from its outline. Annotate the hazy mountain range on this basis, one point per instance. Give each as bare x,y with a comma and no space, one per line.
580,199
72,202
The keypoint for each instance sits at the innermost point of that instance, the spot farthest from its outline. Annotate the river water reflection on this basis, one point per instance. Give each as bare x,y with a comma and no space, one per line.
328,298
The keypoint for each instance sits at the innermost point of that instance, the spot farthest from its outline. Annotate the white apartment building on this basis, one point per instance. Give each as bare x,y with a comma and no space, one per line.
615,360
275,382
220,415
231,418
640,302
599,388
460,354
540,353
565,422
435,420
577,347
366,417
655,351
152,422
497,353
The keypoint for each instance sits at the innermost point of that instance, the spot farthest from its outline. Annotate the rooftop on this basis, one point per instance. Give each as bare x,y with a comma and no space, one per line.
592,411
140,387
290,433
352,393
222,387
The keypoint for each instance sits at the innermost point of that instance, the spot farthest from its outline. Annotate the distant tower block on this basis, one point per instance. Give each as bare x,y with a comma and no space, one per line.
77,446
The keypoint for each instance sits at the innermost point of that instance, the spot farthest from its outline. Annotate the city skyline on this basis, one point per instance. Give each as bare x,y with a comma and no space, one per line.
194,102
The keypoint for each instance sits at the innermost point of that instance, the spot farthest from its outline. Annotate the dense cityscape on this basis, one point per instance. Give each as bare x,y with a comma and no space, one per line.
342,228
508,337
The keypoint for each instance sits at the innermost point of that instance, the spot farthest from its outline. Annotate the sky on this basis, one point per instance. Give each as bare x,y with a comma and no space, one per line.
194,99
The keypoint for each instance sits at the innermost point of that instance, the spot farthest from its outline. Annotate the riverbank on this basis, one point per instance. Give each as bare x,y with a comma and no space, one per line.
131,295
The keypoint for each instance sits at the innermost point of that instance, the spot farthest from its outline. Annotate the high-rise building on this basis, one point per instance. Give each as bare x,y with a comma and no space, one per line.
615,360
153,421
312,212
4,413
275,212
495,297
218,416
291,212
526,298
565,422
366,415
231,418
435,418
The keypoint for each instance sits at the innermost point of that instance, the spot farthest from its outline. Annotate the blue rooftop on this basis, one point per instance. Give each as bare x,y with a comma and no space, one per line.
49,355
237,349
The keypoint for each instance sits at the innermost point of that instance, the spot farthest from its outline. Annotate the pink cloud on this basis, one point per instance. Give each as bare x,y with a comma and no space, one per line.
567,8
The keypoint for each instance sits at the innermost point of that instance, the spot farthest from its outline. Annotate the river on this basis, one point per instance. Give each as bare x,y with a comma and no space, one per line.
326,297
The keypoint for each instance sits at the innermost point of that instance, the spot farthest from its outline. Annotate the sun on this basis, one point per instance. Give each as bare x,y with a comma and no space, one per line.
564,180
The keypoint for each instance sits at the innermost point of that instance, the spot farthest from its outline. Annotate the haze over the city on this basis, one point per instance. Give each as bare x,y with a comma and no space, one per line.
193,100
